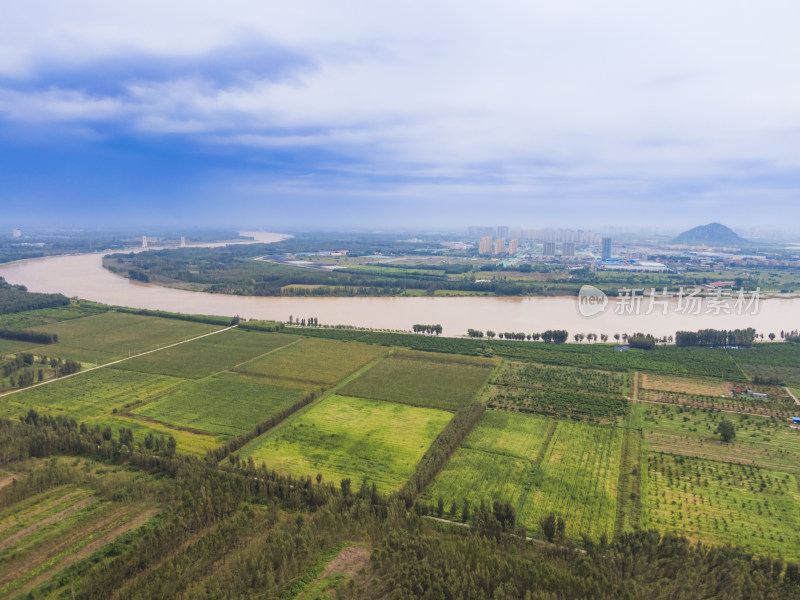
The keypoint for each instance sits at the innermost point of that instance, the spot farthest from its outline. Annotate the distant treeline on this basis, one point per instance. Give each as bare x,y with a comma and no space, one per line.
28,335
267,326
716,337
16,298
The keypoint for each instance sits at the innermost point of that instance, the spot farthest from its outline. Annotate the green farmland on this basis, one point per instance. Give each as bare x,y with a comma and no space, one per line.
352,438
540,466
312,362
716,502
423,379
226,404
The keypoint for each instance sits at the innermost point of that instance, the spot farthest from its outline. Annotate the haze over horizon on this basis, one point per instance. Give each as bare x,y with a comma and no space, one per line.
445,115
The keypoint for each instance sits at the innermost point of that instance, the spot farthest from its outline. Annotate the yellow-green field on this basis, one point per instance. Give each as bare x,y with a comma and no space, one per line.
352,438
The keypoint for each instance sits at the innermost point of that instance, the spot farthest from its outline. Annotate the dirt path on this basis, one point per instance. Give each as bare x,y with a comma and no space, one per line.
44,522
114,362
795,398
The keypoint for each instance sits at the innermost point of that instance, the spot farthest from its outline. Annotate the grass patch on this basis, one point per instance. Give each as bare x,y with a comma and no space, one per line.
226,404
352,438
425,381
208,355
312,362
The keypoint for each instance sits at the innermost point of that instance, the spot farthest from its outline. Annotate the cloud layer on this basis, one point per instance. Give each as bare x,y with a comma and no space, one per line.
520,111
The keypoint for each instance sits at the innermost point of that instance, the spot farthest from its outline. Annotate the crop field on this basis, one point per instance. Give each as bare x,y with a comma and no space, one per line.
432,381
43,316
12,346
550,377
579,477
208,355
560,391
112,335
779,404
312,362
779,360
718,503
539,466
90,395
46,533
226,404
766,442
352,438
695,386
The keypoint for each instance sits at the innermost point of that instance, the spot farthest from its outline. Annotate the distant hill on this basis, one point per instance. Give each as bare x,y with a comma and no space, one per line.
713,234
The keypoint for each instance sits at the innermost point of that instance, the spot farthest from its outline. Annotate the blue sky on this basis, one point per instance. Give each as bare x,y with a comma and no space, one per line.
376,114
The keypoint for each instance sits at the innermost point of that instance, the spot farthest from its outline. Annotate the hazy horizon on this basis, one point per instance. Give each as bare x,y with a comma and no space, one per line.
267,115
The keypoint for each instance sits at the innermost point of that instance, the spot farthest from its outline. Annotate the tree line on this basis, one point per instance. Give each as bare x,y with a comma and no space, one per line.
429,329
716,337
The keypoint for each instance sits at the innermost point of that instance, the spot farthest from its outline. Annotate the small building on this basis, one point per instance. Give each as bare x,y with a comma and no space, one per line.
796,420
758,395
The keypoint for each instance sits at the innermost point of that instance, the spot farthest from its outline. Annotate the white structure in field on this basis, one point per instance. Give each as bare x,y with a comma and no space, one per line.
144,242
183,242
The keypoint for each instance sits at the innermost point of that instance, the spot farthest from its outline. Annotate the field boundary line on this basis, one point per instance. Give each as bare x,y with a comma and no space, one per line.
113,362
267,353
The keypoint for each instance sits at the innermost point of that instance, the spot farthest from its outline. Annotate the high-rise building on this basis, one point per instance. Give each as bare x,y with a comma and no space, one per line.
502,231
549,249
513,247
605,248
568,249
16,233
500,246
485,245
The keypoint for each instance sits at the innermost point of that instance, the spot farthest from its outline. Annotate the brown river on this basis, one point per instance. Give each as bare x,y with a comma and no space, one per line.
83,276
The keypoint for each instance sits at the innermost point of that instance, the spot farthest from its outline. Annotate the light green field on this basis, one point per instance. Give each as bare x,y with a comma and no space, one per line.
539,466
718,503
188,441
312,362
226,404
427,381
108,336
691,432
12,346
352,438
208,355
90,395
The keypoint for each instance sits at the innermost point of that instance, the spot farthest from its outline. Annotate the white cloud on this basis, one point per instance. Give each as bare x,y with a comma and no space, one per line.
576,89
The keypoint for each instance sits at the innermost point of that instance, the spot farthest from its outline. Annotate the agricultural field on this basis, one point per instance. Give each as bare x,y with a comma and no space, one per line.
208,355
312,363
89,395
351,438
762,441
560,391
695,386
716,503
780,361
226,404
44,316
43,534
716,394
534,375
423,379
112,335
540,466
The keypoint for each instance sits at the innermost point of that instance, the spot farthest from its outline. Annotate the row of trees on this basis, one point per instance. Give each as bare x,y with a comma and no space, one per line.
717,337
27,335
429,329
309,322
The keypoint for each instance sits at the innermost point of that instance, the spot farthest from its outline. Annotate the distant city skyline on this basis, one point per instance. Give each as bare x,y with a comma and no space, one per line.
374,115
